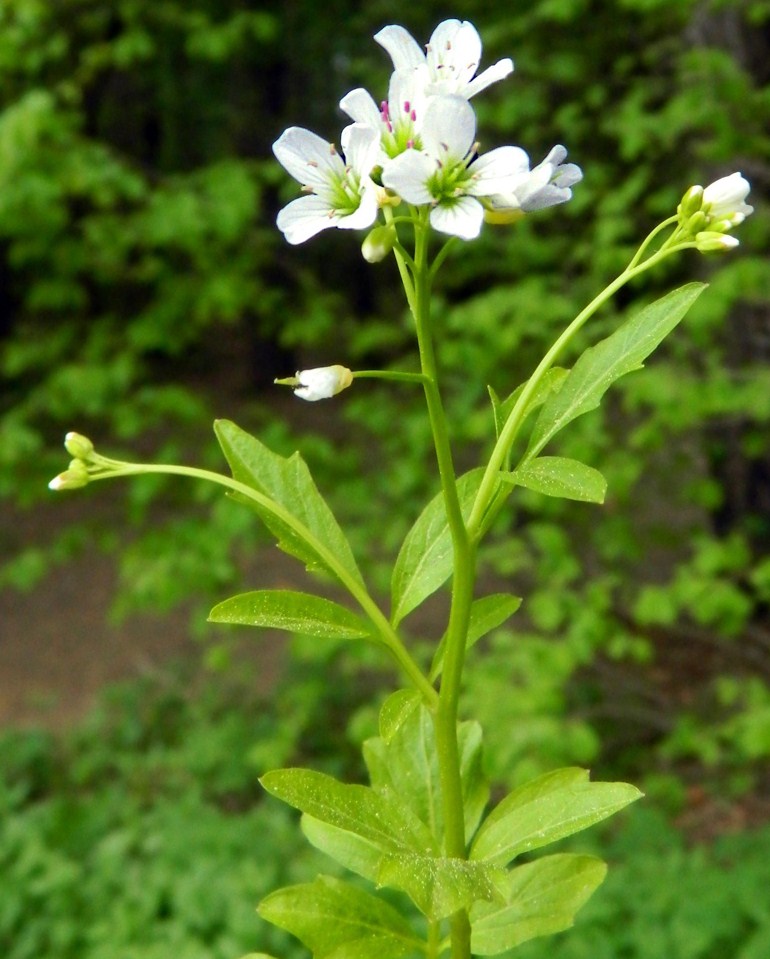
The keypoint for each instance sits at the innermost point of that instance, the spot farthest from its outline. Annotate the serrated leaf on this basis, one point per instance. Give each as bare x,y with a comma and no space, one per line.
600,366
396,710
541,898
560,476
407,767
487,613
287,481
548,808
441,886
380,820
424,562
334,919
292,611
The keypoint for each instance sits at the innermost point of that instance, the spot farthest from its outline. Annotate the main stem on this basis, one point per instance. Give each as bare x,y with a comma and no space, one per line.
445,718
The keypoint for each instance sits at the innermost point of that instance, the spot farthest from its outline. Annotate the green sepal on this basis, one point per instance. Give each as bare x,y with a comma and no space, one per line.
540,898
287,481
600,366
382,821
439,887
293,611
487,613
407,767
548,808
336,920
424,562
560,476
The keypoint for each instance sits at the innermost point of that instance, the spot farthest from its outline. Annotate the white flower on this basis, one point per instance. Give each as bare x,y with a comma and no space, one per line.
322,383
340,193
547,184
723,200
446,175
398,119
453,57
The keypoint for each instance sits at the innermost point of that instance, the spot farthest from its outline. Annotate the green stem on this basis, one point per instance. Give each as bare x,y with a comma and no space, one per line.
445,717
488,487
389,375
387,633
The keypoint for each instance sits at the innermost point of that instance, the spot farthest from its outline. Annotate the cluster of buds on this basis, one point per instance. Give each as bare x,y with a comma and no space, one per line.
709,214
77,474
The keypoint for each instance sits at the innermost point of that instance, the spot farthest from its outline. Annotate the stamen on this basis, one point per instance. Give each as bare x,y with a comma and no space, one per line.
406,106
413,116
313,163
332,149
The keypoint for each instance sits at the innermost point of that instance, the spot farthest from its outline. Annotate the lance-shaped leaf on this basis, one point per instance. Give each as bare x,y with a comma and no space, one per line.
381,822
424,562
334,919
316,537
295,612
548,808
559,476
487,613
601,365
541,898
407,767
441,886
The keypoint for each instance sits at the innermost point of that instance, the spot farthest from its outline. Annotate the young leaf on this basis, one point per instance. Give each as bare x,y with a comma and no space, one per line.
487,613
541,898
332,917
424,561
550,383
559,476
396,710
385,823
598,368
548,808
287,481
407,767
296,612
439,887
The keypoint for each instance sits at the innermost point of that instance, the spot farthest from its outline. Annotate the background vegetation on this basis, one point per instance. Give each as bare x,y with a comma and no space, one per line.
144,290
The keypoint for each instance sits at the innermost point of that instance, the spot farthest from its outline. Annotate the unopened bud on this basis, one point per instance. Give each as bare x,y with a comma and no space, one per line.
319,384
691,203
73,478
378,243
78,446
695,223
710,242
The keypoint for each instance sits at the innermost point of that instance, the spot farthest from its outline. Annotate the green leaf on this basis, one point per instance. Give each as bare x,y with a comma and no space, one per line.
407,767
548,808
287,481
381,821
541,898
559,476
620,353
334,919
424,562
396,710
352,851
439,887
551,382
296,612
487,613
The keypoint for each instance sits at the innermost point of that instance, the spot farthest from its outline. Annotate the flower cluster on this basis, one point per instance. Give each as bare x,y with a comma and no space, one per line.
419,146
708,215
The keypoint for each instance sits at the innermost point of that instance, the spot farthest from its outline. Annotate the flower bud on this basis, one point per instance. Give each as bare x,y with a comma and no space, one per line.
78,446
73,478
378,243
319,384
691,203
711,242
696,222
724,198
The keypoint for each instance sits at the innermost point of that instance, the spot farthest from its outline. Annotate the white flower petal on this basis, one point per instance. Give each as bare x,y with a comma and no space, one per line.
498,171
449,127
307,157
727,196
366,213
408,175
304,218
404,50
498,71
462,217
359,105
361,146
454,53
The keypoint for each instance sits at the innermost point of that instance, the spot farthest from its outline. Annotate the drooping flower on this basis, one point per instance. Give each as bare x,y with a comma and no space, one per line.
547,184
723,200
321,383
446,174
340,191
452,58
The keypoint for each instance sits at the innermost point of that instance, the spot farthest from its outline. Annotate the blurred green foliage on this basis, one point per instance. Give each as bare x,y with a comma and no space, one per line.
144,289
